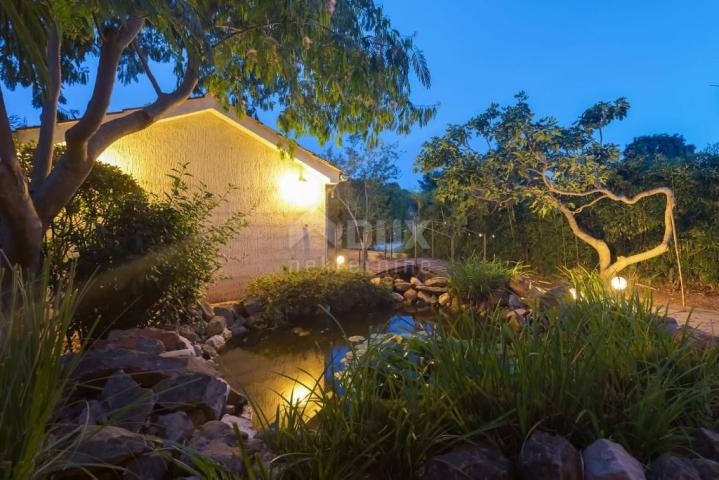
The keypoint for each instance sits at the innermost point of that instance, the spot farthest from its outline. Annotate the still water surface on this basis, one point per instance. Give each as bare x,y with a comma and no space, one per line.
274,363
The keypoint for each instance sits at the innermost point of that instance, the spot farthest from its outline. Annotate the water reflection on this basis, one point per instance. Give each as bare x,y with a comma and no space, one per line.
275,365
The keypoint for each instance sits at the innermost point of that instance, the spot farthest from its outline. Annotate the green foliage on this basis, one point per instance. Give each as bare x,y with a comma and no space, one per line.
334,67
290,295
602,366
33,376
153,261
149,257
475,279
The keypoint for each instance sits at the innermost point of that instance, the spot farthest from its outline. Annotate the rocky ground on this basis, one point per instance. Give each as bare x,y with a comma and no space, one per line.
148,397
549,457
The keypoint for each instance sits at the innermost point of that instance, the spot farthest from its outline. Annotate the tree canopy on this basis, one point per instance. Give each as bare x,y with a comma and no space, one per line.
507,155
330,68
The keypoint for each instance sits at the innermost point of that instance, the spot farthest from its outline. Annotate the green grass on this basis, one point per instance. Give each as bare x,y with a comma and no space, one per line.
291,295
33,324
598,367
476,279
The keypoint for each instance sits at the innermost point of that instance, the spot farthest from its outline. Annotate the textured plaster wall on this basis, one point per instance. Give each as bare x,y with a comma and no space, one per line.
286,226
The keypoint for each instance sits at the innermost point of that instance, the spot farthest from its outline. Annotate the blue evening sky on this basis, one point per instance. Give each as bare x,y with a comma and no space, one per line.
566,54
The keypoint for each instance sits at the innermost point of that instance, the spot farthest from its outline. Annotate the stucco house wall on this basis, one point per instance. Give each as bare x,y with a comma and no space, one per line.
283,197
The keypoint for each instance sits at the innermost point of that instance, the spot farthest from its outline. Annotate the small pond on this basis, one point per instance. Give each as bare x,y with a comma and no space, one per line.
270,363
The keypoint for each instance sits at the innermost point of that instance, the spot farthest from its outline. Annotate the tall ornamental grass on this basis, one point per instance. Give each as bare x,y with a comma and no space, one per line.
33,325
476,279
600,366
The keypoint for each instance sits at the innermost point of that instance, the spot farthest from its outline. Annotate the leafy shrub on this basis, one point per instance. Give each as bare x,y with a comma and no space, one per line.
598,367
32,375
149,257
290,295
476,279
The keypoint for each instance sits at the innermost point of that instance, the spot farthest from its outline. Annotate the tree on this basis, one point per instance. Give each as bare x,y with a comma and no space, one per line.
331,67
507,156
366,197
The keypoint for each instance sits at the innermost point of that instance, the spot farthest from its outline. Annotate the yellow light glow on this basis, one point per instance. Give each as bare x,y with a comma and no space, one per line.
112,157
341,260
618,283
573,293
299,394
301,190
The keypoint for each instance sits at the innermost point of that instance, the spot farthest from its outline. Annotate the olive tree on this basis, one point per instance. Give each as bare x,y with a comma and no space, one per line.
329,67
507,156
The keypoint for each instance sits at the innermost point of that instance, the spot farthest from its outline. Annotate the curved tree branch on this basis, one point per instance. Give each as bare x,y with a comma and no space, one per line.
42,161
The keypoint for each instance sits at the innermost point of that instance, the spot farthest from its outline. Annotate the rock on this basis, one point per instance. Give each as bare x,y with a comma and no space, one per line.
516,320
437,282
375,281
484,462
207,311
188,352
388,281
523,287
410,295
194,390
175,426
188,331
707,469
209,352
356,339
444,299
397,297
137,343
670,467
107,444
96,365
146,467
706,444
427,298
239,330
415,281
401,286
86,412
435,290
216,325
257,321
545,457
228,313
606,460
253,305
514,302
126,403
243,424
169,338
227,334
216,440
216,342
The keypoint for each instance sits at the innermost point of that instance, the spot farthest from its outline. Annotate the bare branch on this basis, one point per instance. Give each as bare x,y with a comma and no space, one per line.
44,152
146,68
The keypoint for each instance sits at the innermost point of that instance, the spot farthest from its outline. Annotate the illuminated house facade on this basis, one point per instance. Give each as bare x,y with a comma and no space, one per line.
284,196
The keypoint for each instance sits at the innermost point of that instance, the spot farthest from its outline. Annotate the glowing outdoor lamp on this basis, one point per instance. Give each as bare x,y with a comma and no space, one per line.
298,190
573,293
618,283
340,260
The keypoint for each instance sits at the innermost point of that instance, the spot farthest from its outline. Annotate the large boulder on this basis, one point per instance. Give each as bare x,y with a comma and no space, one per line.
107,445
523,287
484,462
96,366
549,457
606,460
397,297
170,339
193,390
217,441
401,286
227,312
670,467
216,342
125,402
